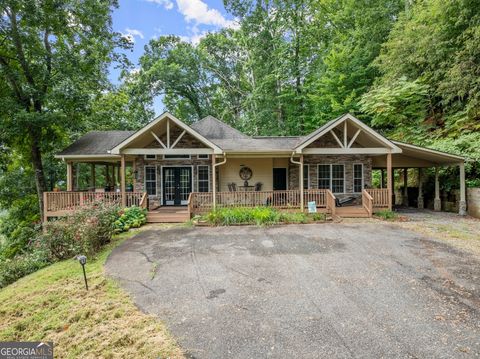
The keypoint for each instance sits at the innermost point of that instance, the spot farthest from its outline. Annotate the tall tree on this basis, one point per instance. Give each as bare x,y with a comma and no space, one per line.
53,57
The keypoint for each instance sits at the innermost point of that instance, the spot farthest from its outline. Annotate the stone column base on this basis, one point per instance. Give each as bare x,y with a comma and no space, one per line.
421,204
437,204
462,208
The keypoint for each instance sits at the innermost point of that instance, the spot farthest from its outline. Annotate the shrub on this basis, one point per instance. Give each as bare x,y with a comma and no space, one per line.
22,265
318,217
85,231
294,217
131,217
386,215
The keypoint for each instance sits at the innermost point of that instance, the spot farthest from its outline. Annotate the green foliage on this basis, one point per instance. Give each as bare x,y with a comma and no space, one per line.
131,217
12,269
258,215
83,232
386,215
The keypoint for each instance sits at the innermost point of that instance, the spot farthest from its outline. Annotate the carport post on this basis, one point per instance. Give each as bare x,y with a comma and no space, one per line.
421,204
437,202
122,181
214,183
405,187
462,206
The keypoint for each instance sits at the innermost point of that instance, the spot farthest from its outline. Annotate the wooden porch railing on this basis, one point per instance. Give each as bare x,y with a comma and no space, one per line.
201,202
62,203
367,202
379,197
330,203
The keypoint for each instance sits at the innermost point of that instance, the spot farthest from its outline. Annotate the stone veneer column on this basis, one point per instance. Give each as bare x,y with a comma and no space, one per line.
420,200
437,202
462,205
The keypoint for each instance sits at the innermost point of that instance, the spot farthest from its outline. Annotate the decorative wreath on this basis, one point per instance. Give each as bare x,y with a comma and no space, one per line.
245,173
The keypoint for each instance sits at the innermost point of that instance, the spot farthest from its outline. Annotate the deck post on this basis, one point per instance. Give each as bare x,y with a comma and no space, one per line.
420,201
122,181
405,187
389,180
437,202
69,176
302,204
462,205
382,178
114,180
214,182
92,176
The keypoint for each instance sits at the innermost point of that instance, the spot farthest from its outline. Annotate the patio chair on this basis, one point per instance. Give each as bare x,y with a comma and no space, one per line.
258,186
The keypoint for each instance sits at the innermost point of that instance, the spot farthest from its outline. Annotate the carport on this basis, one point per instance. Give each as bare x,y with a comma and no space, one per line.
420,158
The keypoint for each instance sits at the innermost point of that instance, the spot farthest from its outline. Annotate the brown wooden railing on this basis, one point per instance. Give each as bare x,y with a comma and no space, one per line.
201,202
367,202
330,203
62,203
379,196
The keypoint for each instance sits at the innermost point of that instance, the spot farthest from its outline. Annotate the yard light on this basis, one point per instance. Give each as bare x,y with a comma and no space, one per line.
83,260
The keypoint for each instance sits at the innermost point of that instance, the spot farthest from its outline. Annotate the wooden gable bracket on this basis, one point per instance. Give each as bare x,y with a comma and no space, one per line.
346,143
168,137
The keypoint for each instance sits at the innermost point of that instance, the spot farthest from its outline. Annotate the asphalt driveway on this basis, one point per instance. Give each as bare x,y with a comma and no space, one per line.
312,291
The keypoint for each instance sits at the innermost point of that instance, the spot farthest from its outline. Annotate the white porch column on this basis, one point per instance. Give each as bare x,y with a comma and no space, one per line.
69,176
462,206
214,182
302,204
437,202
390,180
405,187
122,181
420,201
92,176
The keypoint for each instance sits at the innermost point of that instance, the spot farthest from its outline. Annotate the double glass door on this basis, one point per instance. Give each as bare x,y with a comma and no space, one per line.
177,185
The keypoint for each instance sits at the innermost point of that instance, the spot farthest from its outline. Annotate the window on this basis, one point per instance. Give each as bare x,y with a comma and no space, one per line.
324,176
358,177
151,180
306,179
203,157
150,157
203,178
331,177
175,157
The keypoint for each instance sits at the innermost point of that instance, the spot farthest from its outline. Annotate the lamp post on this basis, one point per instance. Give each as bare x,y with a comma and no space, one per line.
83,260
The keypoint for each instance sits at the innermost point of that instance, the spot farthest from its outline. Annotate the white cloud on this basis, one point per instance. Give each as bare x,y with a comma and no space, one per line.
167,4
198,11
130,34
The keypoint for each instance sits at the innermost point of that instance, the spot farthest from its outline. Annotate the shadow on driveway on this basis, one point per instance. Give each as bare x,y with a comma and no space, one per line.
310,291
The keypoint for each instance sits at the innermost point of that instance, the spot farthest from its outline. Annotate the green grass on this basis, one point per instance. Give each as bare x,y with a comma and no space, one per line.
386,215
258,215
53,305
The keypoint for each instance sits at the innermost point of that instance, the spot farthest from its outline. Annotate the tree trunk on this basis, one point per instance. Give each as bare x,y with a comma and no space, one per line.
36,154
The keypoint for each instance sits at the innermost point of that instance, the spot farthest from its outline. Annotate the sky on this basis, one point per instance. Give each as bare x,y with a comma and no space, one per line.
143,20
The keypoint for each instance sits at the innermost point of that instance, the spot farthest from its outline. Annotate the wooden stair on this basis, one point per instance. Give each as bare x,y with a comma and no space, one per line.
168,215
351,212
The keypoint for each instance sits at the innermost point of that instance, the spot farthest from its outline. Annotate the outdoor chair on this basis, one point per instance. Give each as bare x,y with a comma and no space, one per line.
258,186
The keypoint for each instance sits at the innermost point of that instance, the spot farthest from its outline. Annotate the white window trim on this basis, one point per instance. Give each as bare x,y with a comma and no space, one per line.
149,159
145,179
331,176
203,157
308,175
177,159
198,177
353,177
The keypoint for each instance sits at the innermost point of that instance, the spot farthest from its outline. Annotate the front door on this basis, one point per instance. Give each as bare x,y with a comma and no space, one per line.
177,185
279,179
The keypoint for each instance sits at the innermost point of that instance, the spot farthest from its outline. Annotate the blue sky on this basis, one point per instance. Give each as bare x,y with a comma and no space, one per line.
143,20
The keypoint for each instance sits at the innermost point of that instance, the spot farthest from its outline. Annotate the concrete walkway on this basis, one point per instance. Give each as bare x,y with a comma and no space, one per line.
347,290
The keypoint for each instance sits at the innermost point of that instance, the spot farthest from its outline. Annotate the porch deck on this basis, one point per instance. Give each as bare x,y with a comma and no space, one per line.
58,204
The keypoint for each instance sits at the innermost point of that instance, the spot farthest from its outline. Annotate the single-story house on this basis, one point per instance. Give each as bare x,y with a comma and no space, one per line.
176,169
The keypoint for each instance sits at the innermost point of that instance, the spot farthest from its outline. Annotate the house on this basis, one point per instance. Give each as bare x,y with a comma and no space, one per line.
178,170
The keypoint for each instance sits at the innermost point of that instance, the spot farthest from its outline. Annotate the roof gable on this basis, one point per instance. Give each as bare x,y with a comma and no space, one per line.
338,130
165,117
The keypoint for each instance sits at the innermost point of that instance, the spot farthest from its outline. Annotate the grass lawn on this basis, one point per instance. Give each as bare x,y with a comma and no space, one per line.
53,305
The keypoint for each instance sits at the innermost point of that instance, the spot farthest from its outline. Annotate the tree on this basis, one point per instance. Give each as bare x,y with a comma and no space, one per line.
53,57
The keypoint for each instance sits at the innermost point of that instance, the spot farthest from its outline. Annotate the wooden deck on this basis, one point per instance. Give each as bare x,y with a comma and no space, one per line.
168,214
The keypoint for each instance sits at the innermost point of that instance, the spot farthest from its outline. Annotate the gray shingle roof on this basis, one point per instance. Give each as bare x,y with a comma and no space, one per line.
212,128
96,143
256,144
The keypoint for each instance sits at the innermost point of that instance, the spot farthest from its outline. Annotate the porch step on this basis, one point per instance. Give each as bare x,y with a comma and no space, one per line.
161,217
351,212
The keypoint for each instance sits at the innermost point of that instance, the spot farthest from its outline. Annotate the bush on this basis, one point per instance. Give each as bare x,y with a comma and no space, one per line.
131,217
22,265
386,215
259,216
83,232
